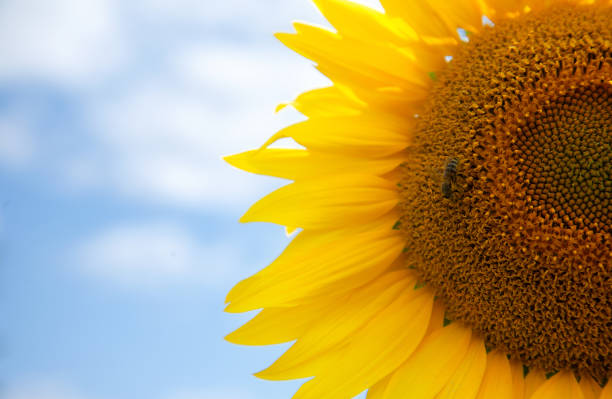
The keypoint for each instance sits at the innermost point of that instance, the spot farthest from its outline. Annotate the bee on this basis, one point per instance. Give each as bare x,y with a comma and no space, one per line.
450,177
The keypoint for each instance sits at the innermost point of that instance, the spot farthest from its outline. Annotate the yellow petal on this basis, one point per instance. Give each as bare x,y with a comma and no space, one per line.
359,21
302,164
336,326
327,102
315,263
432,365
377,391
374,351
518,379
606,393
534,380
497,380
421,16
466,14
283,163
363,136
503,8
561,385
590,388
378,64
389,98
437,317
468,376
326,202
277,325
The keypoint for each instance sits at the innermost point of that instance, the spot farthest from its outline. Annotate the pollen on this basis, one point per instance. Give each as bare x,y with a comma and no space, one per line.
518,245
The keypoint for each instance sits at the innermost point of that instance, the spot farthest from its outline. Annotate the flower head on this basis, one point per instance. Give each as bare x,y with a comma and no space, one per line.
455,201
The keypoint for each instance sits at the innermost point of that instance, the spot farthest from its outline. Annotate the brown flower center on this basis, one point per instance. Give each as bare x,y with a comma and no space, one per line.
507,191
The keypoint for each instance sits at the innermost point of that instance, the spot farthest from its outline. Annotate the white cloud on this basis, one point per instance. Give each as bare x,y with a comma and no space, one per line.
164,146
17,146
250,14
61,42
70,43
156,255
246,15
159,137
41,388
162,141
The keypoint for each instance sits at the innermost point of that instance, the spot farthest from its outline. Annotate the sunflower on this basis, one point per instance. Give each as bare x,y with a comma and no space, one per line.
453,198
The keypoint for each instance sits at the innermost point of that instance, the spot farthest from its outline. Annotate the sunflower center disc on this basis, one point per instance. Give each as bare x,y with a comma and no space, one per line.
507,193
566,157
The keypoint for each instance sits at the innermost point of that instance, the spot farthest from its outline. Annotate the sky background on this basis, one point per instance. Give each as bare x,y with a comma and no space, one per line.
118,220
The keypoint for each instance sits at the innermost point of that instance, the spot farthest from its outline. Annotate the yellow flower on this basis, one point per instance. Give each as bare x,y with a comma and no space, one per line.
454,200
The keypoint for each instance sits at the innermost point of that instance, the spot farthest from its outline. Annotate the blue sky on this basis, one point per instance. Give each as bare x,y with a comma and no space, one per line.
118,220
